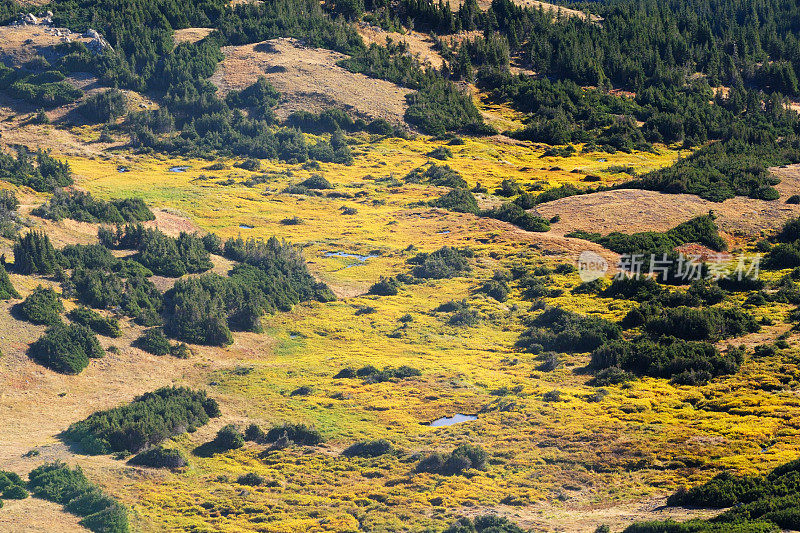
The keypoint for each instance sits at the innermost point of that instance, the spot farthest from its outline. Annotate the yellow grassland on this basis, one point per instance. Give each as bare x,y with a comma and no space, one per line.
640,441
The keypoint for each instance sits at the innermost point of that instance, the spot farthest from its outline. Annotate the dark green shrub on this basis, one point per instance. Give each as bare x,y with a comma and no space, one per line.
514,214
385,287
58,483
443,263
228,438
369,448
42,306
296,433
146,421
458,200
66,348
95,321
7,290
160,457
251,479
105,106
154,341
84,207
316,181
15,492
254,433
34,254
462,458
560,330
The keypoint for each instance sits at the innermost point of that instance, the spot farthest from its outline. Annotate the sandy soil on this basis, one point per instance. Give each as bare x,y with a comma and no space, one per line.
633,210
309,79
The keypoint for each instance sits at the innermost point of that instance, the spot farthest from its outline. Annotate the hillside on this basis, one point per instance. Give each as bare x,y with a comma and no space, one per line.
473,267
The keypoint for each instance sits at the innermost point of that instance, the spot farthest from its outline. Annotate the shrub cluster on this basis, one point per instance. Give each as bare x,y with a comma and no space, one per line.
42,306
458,461
84,207
294,433
757,503
34,254
46,175
687,363
108,326
160,457
146,421
560,330
66,348
369,448
164,255
445,262
58,483
11,487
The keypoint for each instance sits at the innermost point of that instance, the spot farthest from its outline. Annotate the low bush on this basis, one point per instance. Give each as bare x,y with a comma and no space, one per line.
93,320
439,175
58,483
228,438
461,459
560,330
458,200
385,287
484,524
251,479
146,421
154,341
514,214
160,457
369,448
84,207
66,348
668,358
296,433
7,290
445,262
370,374
42,306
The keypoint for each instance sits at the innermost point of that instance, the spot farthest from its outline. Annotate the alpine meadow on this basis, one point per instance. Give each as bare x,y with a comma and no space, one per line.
427,266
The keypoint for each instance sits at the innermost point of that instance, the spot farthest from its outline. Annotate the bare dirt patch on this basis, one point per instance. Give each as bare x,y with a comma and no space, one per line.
634,210
309,79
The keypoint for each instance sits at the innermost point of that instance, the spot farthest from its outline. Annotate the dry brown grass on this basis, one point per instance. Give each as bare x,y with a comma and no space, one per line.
191,35
309,79
553,8
634,210
33,515
419,44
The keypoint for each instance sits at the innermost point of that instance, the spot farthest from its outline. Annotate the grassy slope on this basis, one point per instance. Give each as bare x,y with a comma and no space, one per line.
642,440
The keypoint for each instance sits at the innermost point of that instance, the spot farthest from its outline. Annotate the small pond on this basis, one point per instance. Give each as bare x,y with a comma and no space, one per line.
455,419
179,169
358,257
246,226
121,169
